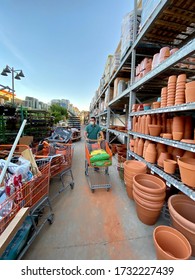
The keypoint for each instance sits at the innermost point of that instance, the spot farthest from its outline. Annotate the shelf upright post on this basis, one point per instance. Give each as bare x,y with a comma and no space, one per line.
132,77
107,124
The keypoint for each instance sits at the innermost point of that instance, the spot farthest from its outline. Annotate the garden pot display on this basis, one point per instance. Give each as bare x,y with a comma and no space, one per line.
187,171
131,168
148,196
190,92
151,153
146,143
140,147
170,166
182,213
170,244
164,54
154,130
131,144
147,122
162,157
160,148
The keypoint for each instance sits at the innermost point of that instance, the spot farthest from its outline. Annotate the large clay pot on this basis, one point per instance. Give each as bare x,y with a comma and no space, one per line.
182,213
178,124
187,171
146,215
135,166
170,244
149,183
148,196
188,131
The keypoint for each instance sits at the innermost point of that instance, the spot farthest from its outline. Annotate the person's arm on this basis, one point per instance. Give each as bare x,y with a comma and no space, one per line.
85,134
102,134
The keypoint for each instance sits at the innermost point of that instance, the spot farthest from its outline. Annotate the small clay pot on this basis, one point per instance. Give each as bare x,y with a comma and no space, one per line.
162,157
154,130
177,135
170,166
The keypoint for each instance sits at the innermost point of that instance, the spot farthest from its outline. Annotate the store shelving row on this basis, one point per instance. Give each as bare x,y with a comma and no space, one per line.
170,24
170,180
169,142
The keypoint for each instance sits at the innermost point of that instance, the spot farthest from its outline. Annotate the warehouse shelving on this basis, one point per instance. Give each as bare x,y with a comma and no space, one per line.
171,24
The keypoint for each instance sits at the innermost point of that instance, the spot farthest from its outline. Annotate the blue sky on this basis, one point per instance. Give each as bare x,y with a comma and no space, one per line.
60,45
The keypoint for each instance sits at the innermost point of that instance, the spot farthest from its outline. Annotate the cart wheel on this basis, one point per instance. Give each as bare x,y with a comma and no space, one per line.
92,190
86,173
107,189
51,219
72,185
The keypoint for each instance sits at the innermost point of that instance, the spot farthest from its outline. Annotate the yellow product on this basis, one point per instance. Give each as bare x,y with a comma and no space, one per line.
97,152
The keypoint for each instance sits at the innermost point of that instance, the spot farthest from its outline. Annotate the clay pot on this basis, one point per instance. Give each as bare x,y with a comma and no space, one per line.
170,244
176,153
146,215
187,171
135,166
146,143
155,205
188,154
140,147
151,153
162,157
168,135
178,124
170,166
188,128
190,95
149,197
182,213
154,130
190,84
148,121
149,183
177,135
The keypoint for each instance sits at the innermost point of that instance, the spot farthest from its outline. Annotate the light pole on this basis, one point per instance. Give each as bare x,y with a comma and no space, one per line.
19,74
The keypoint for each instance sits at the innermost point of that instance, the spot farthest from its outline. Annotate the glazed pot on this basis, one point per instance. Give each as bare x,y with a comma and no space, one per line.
170,244
170,166
187,171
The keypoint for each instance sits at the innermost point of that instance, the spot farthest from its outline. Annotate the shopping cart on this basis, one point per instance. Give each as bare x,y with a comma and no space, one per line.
97,176
60,156
33,194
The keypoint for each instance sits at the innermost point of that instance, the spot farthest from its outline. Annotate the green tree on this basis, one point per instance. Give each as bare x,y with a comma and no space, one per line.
58,112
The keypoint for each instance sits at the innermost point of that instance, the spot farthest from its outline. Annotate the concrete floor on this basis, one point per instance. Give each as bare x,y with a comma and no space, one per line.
93,226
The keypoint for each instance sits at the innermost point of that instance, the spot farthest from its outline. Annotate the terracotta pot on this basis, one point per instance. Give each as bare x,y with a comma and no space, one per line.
188,154
170,166
183,208
170,244
146,143
190,95
178,124
145,215
135,166
151,153
177,135
148,121
168,135
181,78
187,171
190,84
188,128
149,183
162,157
176,153
154,205
149,197
140,147
155,130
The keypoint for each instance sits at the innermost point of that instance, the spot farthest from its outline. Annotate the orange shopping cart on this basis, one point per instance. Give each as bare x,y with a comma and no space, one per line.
97,172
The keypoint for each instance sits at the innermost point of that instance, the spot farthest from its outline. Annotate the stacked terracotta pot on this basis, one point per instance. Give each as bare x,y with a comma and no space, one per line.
163,97
131,168
151,153
182,213
187,171
180,89
149,193
171,88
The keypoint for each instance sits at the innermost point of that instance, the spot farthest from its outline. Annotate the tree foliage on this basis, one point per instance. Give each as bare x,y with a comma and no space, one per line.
58,112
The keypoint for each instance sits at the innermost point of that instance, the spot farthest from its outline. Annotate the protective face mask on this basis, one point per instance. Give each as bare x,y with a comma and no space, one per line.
92,123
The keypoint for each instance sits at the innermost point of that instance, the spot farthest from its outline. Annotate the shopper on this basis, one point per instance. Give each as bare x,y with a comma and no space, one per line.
92,131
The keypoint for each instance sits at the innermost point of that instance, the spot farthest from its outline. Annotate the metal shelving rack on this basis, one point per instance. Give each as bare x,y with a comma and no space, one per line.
166,26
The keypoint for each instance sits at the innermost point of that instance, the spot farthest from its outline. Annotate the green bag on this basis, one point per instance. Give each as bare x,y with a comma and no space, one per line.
102,163
99,157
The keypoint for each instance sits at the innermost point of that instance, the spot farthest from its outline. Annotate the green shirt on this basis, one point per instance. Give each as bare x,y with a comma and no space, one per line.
92,131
